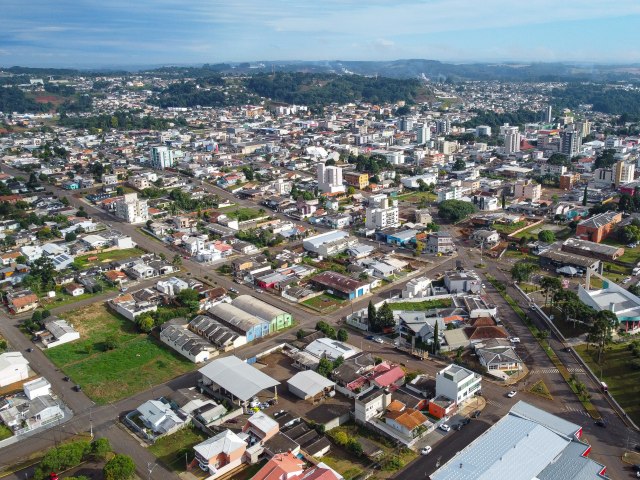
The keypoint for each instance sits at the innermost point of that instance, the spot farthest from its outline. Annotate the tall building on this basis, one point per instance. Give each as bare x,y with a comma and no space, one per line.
528,190
548,114
406,124
423,133
570,142
330,179
131,209
483,131
443,126
511,139
382,212
624,172
161,158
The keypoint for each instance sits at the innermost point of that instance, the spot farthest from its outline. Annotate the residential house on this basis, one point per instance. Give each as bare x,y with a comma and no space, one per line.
13,368
74,289
220,454
440,243
57,332
159,418
408,421
21,301
457,383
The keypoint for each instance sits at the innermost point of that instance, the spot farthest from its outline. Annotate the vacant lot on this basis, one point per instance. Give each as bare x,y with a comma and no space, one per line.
631,255
324,303
243,213
105,257
618,373
136,363
171,450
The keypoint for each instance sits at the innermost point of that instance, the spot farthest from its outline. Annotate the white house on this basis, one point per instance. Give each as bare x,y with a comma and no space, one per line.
37,388
171,286
371,404
457,383
58,332
159,417
13,368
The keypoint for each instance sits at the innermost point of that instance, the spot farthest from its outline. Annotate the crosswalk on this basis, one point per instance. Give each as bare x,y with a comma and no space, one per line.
493,403
575,409
576,370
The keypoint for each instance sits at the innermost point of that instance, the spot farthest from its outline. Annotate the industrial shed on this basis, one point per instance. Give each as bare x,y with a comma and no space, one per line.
278,319
241,321
310,385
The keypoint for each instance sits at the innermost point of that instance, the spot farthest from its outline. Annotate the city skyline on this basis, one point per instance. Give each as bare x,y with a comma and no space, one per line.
94,34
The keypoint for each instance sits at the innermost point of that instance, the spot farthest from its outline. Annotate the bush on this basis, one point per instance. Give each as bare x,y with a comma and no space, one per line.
635,363
341,438
62,458
342,335
354,447
100,448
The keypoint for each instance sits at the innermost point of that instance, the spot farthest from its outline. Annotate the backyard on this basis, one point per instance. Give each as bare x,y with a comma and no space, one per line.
112,360
619,373
176,449
105,257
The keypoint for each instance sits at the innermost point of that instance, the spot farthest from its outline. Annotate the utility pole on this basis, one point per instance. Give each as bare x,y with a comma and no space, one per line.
90,423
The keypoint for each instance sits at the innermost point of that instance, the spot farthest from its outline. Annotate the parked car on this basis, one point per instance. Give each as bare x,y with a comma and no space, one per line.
66,379
601,423
426,450
514,339
626,280
378,340
512,394
476,414
445,428
465,421
259,290
77,388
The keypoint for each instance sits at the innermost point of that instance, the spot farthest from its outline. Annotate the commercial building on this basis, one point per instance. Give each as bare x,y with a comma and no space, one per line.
440,242
357,180
457,383
570,142
614,298
277,319
526,443
247,324
310,385
329,243
382,212
598,227
624,172
13,368
131,209
341,285
592,249
161,158
330,179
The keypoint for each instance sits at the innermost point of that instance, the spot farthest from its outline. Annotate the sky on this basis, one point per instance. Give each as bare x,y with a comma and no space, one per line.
88,33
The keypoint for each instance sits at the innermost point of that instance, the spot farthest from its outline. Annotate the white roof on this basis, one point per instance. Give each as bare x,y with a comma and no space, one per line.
262,422
237,377
225,442
310,382
332,349
12,360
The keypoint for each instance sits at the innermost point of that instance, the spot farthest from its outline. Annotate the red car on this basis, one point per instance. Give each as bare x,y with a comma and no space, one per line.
53,476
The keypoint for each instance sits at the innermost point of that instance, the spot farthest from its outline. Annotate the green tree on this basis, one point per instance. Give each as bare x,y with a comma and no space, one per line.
436,338
455,210
190,298
342,335
177,260
384,318
585,197
70,237
62,458
351,190
547,236
459,164
550,285
325,367
371,314
521,271
631,233
145,323
111,342
100,448
601,331
120,467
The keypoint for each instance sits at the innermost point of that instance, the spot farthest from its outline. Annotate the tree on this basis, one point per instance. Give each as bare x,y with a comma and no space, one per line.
547,236
372,314
177,260
145,323
459,164
603,325
325,367
455,210
42,274
111,342
550,285
521,271
190,298
631,233
342,335
100,448
351,190
120,467
436,338
585,197
504,200
384,318
70,237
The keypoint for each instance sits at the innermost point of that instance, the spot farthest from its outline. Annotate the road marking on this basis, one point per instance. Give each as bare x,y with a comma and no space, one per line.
493,403
576,409
576,370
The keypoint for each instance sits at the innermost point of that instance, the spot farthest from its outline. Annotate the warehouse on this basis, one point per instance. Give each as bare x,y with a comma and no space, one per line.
277,319
241,321
310,385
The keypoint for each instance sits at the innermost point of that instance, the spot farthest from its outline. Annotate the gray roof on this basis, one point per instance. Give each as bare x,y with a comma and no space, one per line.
310,382
257,307
599,220
237,377
235,317
527,443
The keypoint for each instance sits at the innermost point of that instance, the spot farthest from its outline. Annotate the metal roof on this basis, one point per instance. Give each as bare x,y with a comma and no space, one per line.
257,307
237,377
310,382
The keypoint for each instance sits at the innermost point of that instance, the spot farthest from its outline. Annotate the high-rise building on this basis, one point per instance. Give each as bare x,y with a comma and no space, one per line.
330,179
548,114
511,139
624,172
161,158
406,124
423,133
131,209
570,142
528,190
483,131
443,126
382,212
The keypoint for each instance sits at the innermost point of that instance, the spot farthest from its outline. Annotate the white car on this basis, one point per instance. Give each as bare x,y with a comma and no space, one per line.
378,340
511,394
514,339
445,428
626,280
426,450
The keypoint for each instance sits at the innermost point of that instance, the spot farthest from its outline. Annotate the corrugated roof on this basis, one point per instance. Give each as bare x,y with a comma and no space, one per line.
237,377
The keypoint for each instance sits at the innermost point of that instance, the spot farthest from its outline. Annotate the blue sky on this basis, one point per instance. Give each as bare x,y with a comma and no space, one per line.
88,33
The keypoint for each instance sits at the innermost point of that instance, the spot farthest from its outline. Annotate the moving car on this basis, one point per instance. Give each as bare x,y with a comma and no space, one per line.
378,340
601,423
426,450
445,428
511,394
514,339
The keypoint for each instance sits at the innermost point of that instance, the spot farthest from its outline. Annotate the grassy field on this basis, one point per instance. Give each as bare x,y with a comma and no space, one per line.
508,228
5,432
520,255
631,255
417,197
171,449
324,303
347,465
63,298
621,378
242,213
104,257
137,362
424,305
